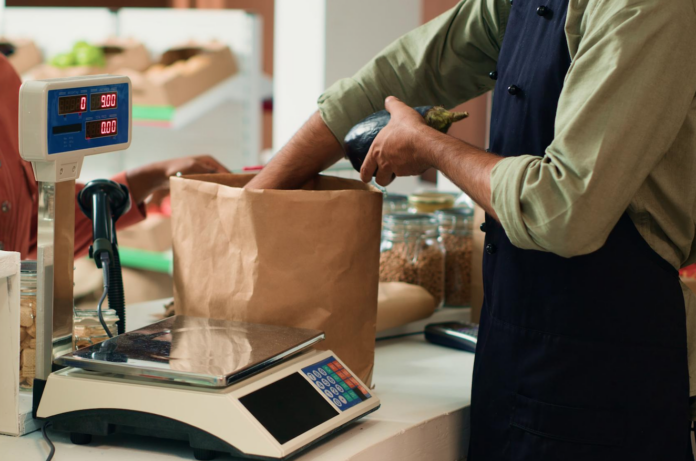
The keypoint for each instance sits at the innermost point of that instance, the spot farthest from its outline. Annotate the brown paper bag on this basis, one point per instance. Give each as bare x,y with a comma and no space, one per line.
477,265
304,258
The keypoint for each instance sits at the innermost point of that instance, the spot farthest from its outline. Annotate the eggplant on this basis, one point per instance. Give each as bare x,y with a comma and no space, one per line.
359,139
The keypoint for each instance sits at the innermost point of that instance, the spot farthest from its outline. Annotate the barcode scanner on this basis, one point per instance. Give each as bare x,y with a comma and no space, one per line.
104,202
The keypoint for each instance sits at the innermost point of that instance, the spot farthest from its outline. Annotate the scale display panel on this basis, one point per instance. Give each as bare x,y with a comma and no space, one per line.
87,117
304,400
288,408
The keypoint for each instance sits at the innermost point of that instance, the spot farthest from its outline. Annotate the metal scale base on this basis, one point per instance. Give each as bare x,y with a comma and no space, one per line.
187,378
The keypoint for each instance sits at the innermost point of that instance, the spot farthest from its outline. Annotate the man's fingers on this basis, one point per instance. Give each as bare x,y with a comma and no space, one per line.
384,176
394,105
368,167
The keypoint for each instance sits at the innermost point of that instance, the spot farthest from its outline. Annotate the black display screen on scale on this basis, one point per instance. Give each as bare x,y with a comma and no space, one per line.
289,407
72,104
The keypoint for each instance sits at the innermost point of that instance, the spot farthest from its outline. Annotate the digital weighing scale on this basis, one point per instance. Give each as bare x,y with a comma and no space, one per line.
254,391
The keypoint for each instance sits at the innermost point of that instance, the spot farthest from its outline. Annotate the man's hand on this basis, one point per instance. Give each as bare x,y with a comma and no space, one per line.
312,150
396,151
147,179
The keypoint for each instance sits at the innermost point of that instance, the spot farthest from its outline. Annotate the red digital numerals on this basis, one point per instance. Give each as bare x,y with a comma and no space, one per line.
108,100
108,127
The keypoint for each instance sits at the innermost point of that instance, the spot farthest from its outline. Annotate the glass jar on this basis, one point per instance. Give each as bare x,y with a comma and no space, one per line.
27,324
456,233
411,252
87,330
394,203
464,201
430,202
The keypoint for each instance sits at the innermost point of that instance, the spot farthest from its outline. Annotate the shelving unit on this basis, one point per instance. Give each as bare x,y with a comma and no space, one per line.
224,122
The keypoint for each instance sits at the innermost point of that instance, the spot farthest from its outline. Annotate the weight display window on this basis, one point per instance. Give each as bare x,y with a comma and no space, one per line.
289,407
101,128
101,101
72,104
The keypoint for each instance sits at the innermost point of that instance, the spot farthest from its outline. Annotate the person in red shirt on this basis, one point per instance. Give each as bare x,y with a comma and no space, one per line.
19,192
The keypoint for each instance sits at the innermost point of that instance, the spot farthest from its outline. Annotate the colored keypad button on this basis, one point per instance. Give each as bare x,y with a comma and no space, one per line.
352,395
351,385
336,377
333,366
327,369
345,386
354,381
348,397
363,390
338,365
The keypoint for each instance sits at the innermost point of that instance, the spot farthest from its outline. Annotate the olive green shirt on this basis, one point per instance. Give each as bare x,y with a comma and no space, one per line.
625,132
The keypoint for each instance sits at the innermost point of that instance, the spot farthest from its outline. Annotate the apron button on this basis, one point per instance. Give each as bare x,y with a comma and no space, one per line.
490,249
483,227
493,75
5,206
513,89
543,11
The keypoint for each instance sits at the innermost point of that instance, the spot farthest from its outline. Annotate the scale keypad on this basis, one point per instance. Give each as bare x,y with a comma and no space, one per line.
336,383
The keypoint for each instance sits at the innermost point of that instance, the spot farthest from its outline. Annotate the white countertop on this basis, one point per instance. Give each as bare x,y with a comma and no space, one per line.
425,392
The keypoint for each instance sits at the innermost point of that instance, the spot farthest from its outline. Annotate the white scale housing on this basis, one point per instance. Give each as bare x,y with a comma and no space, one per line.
45,136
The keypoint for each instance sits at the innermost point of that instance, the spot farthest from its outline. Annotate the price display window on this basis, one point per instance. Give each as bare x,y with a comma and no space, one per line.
101,128
101,101
72,104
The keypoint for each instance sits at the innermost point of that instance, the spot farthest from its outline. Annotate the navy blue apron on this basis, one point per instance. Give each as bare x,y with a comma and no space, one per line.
582,358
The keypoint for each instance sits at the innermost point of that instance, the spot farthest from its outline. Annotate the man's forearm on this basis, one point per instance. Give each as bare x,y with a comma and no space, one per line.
465,165
312,150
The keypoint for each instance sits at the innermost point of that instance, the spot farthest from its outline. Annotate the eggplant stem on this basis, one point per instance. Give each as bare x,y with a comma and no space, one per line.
457,116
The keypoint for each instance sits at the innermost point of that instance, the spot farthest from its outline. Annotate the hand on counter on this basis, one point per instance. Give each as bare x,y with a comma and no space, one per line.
146,180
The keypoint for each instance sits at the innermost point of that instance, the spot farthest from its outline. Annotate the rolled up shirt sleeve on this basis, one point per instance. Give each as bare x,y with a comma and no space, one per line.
628,91
444,62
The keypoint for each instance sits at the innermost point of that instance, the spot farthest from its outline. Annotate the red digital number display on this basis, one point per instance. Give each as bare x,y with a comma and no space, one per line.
101,128
72,104
101,101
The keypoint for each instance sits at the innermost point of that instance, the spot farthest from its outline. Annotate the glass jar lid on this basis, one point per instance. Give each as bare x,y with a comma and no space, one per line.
394,198
394,203
432,198
411,224
455,219
458,213
91,315
28,269
27,278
